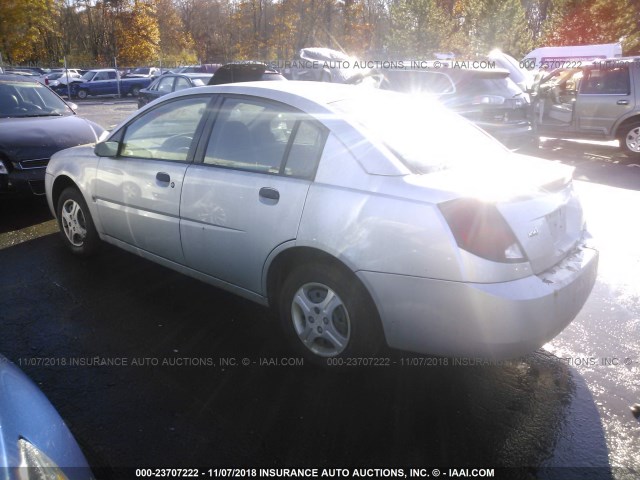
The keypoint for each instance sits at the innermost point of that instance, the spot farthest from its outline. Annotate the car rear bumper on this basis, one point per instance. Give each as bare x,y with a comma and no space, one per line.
497,320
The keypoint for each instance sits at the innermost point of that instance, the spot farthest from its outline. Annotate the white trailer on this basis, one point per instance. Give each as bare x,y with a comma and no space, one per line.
569,56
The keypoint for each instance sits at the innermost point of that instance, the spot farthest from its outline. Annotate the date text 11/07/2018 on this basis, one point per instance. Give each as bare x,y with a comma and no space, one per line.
312,472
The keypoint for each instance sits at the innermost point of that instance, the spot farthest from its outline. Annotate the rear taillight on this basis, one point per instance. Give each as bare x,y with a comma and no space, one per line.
479,228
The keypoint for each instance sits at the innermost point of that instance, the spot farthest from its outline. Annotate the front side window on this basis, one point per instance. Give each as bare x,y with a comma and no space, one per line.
102,76
165,132
260,136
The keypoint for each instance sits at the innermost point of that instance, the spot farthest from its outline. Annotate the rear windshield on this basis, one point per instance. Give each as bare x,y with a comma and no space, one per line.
424,135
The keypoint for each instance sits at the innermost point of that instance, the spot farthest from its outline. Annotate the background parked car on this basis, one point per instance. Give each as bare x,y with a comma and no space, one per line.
38,71
487,97
324,65
54,79
103,81
23,73
204,68
598,100
34,124
359,215
143,72
35,441
245,72
170,83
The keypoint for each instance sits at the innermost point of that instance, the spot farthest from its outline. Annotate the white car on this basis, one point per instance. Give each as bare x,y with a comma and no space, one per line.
361,216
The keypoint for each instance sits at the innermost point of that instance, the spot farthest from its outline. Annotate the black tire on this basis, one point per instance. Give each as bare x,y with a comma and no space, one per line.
629,137
76,225
82,94
347,327
135,91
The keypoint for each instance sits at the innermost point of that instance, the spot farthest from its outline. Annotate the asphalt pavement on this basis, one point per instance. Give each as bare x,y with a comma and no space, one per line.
152,369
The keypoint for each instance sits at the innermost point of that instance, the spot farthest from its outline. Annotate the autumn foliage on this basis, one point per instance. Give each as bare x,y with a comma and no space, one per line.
172,32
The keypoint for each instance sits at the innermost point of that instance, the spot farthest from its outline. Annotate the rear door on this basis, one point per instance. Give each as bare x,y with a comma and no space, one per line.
247,194
138,192
605,94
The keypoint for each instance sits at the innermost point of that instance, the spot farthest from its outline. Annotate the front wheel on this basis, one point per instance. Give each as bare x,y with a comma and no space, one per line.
135,91
82,94
326,313
630,140
76,225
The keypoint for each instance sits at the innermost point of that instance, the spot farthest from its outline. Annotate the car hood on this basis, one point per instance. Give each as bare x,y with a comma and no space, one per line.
25,413
40,137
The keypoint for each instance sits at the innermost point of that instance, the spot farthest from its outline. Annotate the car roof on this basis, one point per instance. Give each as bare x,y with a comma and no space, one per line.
322,93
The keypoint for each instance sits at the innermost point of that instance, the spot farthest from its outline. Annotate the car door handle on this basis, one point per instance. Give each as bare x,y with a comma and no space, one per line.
270,193
623,102
163,177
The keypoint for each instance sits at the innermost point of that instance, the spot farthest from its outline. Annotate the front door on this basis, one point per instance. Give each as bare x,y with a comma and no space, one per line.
555,103
138,192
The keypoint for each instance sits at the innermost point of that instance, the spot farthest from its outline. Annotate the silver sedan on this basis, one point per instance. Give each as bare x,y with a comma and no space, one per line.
361,216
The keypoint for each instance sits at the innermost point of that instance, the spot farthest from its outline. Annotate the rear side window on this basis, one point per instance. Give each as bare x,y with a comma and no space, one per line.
606,81
260,136
182,83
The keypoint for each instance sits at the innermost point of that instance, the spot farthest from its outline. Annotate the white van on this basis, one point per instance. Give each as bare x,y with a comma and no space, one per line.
570,56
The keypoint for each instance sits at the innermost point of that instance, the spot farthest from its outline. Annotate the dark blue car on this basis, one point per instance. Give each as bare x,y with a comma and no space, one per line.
35,123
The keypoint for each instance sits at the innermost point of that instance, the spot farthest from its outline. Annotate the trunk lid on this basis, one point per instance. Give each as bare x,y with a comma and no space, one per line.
536,198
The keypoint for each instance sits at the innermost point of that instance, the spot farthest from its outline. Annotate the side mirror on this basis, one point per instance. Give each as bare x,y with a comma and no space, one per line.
106,149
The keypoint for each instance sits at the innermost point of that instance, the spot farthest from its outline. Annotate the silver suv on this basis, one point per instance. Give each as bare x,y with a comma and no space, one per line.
596,101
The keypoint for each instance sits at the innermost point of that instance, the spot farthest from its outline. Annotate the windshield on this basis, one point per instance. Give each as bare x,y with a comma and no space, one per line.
26,99
425,136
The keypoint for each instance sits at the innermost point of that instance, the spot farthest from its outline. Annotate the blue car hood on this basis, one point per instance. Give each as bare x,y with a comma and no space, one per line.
40,137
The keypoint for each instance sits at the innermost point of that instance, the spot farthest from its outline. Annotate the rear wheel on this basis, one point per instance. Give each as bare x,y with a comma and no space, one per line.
630,140
326,313
76,225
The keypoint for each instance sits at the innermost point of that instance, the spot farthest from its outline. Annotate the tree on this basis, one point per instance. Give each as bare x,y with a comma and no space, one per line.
25,26
137,35
418,28
583,22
